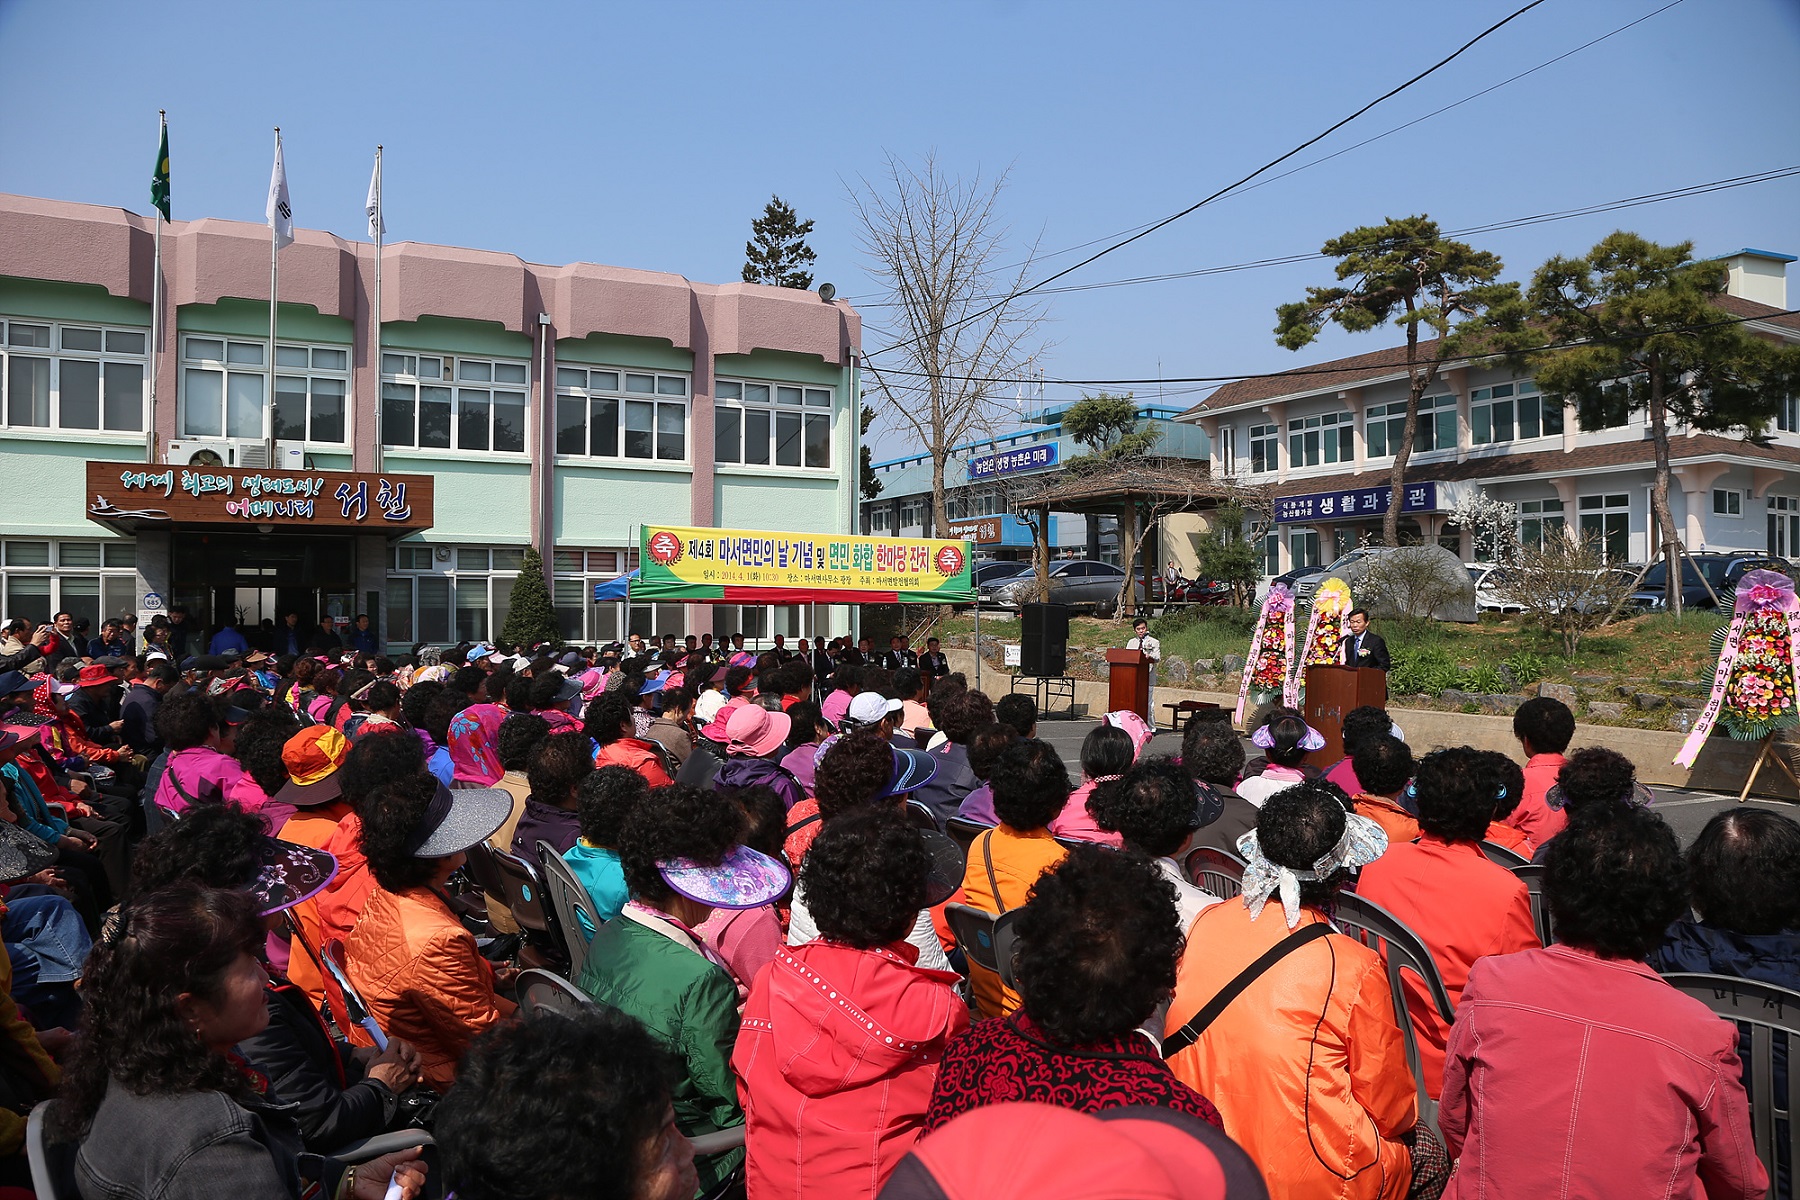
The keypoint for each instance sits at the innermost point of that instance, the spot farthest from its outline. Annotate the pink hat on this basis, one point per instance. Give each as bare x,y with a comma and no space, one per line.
1133,726
755,730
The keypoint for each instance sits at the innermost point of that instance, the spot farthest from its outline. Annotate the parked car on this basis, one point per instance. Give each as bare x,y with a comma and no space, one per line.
1490,588
1352,568
1707,580
1080,583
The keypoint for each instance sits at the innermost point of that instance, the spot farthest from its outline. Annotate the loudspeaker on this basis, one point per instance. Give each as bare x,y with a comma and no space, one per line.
1044,641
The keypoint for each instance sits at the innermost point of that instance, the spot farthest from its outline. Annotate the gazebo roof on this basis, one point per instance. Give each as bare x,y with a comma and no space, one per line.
1178,484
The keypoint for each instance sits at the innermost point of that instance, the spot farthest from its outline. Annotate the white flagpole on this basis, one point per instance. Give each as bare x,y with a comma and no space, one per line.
155,308
274,247
378,219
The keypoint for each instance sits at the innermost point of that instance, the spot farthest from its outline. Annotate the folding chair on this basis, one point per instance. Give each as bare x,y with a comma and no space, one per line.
569,896
52,1163
1767,1016
1533,874
1496,853
522,886
965,831
1401,950
541,990
922,817
1218,871
986,939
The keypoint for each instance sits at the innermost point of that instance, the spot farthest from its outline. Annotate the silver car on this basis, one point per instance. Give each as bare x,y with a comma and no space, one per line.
1080,583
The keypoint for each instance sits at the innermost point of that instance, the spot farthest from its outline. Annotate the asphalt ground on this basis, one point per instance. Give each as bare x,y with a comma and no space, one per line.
1686,811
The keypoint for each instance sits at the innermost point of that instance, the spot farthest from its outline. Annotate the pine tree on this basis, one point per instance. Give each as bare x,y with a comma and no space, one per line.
531,619
777,253
868,481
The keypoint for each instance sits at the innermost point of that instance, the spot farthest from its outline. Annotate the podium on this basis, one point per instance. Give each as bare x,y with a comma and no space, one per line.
1128,683
1333,691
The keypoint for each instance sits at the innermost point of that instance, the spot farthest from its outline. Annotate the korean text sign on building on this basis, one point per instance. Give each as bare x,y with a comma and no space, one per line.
1351,503
1012,462
130,495
748,566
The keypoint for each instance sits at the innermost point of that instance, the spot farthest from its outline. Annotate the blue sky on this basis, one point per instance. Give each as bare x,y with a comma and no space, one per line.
648,135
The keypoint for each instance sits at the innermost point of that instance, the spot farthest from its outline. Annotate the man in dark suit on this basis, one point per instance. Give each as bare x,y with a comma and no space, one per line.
933,662
899,654
1362,646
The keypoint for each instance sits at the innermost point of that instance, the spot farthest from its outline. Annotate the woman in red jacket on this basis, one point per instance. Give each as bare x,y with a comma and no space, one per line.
842,1037
613,728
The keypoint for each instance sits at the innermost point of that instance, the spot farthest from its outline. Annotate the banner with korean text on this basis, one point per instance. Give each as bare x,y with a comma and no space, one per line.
751,566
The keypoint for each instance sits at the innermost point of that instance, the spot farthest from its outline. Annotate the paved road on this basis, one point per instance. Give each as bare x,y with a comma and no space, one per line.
1686,811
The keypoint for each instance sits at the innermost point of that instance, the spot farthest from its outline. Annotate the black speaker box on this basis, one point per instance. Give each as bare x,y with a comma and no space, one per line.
1044,642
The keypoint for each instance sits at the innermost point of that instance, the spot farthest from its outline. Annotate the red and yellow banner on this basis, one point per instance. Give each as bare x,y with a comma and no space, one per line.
750,566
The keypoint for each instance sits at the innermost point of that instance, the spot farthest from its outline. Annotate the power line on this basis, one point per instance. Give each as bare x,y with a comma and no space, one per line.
1274,162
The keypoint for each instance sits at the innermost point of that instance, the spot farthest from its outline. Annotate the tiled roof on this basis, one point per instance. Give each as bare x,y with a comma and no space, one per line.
1547,462
1360,368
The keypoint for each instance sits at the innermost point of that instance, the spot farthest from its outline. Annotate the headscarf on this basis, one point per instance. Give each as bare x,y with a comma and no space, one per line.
1363,842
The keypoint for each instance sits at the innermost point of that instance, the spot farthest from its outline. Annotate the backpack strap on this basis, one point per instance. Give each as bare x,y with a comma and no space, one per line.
1190,1033
987,857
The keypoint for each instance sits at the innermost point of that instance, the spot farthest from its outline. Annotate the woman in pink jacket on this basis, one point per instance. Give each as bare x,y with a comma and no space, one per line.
842,1037
1575,1070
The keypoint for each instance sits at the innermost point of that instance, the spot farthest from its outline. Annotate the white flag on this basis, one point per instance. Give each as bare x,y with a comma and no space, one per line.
377,226
280,211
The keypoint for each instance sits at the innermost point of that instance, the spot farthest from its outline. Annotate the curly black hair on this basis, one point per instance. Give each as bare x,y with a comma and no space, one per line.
185,721
1019,711
864,878
1615,883
558,765
416,700
1501,778
180,939
804,719
1383,763
1362,722
847,678
735,679
1455,794
1298,826
383,695
943,690
1153,809
376,757
1098,943
1597,778
1031,785
556,1106
675,700
517,693
856,771
602,801
768,816
908,683
684,822
518,736
1212,752
217,845
609,715
541,690
259,743
1744,872
470,680
962,714
442,710
1107,750
986,747
391,814
1546,723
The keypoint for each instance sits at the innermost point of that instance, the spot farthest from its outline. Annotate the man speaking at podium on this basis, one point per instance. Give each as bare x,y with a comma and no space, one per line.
1363,647
1152,650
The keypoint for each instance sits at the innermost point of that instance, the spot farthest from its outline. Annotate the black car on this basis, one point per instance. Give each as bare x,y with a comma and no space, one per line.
1707,580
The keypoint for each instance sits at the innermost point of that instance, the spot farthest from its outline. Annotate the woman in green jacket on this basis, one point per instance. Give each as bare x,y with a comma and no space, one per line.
684,856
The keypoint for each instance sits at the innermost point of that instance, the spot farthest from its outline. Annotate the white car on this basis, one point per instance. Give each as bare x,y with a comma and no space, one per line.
1491,592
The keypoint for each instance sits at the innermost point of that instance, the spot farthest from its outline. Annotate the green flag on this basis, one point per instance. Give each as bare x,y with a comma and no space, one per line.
159,179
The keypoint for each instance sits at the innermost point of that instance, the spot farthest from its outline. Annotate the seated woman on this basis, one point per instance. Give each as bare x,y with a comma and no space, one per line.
196,771
807,731
1286,740
156,1095
602,801
985,749
1031,786
1553,1048
1504,780
1157,809
683,855
841,1037
1592,780
1097,947
409,956
338,1095
1446,891
550,1106
1304,1061
612,727
1107,752
1384,765
1744,882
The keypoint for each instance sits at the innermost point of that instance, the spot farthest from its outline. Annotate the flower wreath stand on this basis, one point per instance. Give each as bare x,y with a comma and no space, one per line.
1754,684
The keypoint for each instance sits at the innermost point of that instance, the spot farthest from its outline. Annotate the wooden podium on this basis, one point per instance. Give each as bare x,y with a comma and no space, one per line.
1333,691
1128,683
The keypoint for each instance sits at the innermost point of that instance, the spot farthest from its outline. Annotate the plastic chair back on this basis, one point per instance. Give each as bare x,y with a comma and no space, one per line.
1218,871
571,900
52,1163
965,831
540,990
1402,950
987,940
1533,874
479,863
348,1008
1497,853
522,885
921,816
1768,1021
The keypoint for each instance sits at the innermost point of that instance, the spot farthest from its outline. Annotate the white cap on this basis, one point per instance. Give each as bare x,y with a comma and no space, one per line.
869,707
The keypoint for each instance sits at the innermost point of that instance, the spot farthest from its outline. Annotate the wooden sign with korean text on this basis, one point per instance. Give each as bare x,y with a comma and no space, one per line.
144,495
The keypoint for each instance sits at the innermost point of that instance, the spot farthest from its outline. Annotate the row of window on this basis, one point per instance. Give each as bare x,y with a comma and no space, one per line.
88,579
72,377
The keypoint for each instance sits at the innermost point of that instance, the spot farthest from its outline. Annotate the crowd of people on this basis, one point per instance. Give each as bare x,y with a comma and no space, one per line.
251,920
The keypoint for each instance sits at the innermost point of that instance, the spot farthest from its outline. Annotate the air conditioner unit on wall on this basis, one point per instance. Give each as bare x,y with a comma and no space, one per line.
236,453
289,456
198,452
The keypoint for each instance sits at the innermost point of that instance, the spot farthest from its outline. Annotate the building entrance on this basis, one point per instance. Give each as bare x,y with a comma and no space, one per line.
256,579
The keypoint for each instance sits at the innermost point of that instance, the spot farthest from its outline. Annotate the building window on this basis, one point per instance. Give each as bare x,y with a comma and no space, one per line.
223,382
437,402
912,513
1787,415
1613,410
759,622
1512,412
1271,553
91,580
1728,502
1325,438
1784,526
461,598
762,424
614,413
1228,450
1540,521
1436,429
312,392
76,377
1303,547
879,516
1606,520
1263,447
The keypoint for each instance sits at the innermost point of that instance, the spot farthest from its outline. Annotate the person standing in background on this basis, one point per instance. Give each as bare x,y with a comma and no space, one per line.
1141,640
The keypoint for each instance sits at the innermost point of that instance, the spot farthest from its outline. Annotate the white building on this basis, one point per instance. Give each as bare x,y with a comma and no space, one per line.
1323,444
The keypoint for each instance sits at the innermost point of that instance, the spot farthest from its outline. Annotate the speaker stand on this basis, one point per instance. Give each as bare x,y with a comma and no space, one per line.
1046,688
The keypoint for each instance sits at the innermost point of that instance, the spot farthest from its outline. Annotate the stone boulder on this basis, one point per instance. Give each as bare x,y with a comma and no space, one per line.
1558,691
1172,672
1458,697
1206,666
1233,662
1649,701
1503,705
1606,710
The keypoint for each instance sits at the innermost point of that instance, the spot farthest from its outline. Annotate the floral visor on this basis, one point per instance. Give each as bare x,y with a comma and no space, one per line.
1262,739
289,873
1638,797
744,878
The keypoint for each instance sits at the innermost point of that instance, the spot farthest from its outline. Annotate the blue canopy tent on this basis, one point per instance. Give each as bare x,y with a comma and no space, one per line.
615,589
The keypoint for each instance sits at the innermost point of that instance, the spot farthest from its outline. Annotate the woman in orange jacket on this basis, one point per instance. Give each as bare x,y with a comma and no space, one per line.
1288,1026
